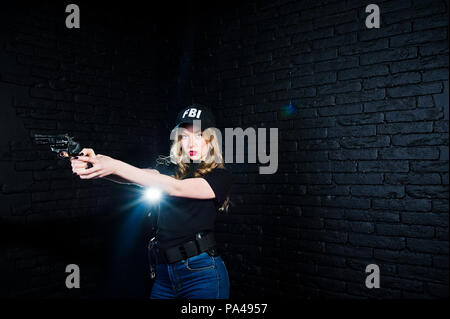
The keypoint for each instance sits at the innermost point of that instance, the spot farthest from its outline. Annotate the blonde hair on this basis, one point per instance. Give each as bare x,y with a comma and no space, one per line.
213,159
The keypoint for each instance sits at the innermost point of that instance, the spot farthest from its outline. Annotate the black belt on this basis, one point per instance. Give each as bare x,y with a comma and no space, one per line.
203,241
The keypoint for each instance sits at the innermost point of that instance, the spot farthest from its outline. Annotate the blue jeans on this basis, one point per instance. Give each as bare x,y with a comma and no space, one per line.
198,277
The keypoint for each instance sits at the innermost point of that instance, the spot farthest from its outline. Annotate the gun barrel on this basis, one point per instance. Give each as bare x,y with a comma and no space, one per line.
50,139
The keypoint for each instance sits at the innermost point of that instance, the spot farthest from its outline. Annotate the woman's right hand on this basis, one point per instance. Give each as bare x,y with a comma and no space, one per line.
76,164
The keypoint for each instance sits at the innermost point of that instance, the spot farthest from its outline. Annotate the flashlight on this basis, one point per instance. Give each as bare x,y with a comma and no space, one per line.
152,194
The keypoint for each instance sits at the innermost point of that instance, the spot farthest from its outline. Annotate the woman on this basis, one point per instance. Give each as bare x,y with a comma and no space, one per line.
187,262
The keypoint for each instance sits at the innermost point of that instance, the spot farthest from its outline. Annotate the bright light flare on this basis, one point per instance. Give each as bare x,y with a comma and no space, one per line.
152,194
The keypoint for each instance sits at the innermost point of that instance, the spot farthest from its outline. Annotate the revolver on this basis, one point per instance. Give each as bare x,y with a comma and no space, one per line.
62,144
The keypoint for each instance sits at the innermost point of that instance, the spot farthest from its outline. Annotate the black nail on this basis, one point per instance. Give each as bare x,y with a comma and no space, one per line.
76,157
81,154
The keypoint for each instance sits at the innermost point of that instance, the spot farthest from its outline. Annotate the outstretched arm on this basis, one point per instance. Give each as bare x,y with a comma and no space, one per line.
78,164
120,180
106,166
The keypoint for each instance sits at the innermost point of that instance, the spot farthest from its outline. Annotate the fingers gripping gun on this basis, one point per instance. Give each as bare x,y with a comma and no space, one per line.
62,144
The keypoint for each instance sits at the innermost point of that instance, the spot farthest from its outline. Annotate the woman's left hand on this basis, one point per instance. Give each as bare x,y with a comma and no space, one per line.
102,166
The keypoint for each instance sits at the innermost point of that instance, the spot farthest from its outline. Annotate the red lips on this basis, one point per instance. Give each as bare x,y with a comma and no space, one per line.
192,153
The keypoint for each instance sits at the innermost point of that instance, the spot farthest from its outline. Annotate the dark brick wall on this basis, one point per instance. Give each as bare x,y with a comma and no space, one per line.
106,84
363,172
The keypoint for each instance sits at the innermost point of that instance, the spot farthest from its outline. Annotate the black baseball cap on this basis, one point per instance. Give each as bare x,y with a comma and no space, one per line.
196,112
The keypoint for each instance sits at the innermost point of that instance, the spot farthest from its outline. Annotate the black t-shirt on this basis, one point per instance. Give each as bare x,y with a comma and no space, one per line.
180,218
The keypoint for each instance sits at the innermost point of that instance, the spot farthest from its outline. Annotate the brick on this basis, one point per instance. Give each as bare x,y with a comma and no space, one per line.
322,55
316,101
316,122
441,261
416,231
425,101
383,166
435,75
418,37
384,191
433,48
406,204
443,151
427,192
365,179
405,128
403,257
305,134
430,22
339,87
362,72
388,55
428,246
390,105
353,154
377,241
363,47
367,118
386,31
392,80
445,179
362,130
413,179
429,166
423,273
409,153
328,190
340,110
420,64
418,10
363,96
340,166
419,139
364,142
316,145
348,250
343,39
403,284
315,79
349,226
310,178
441,126
303,156
346,202
326,212
428,219
414,89
372,215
